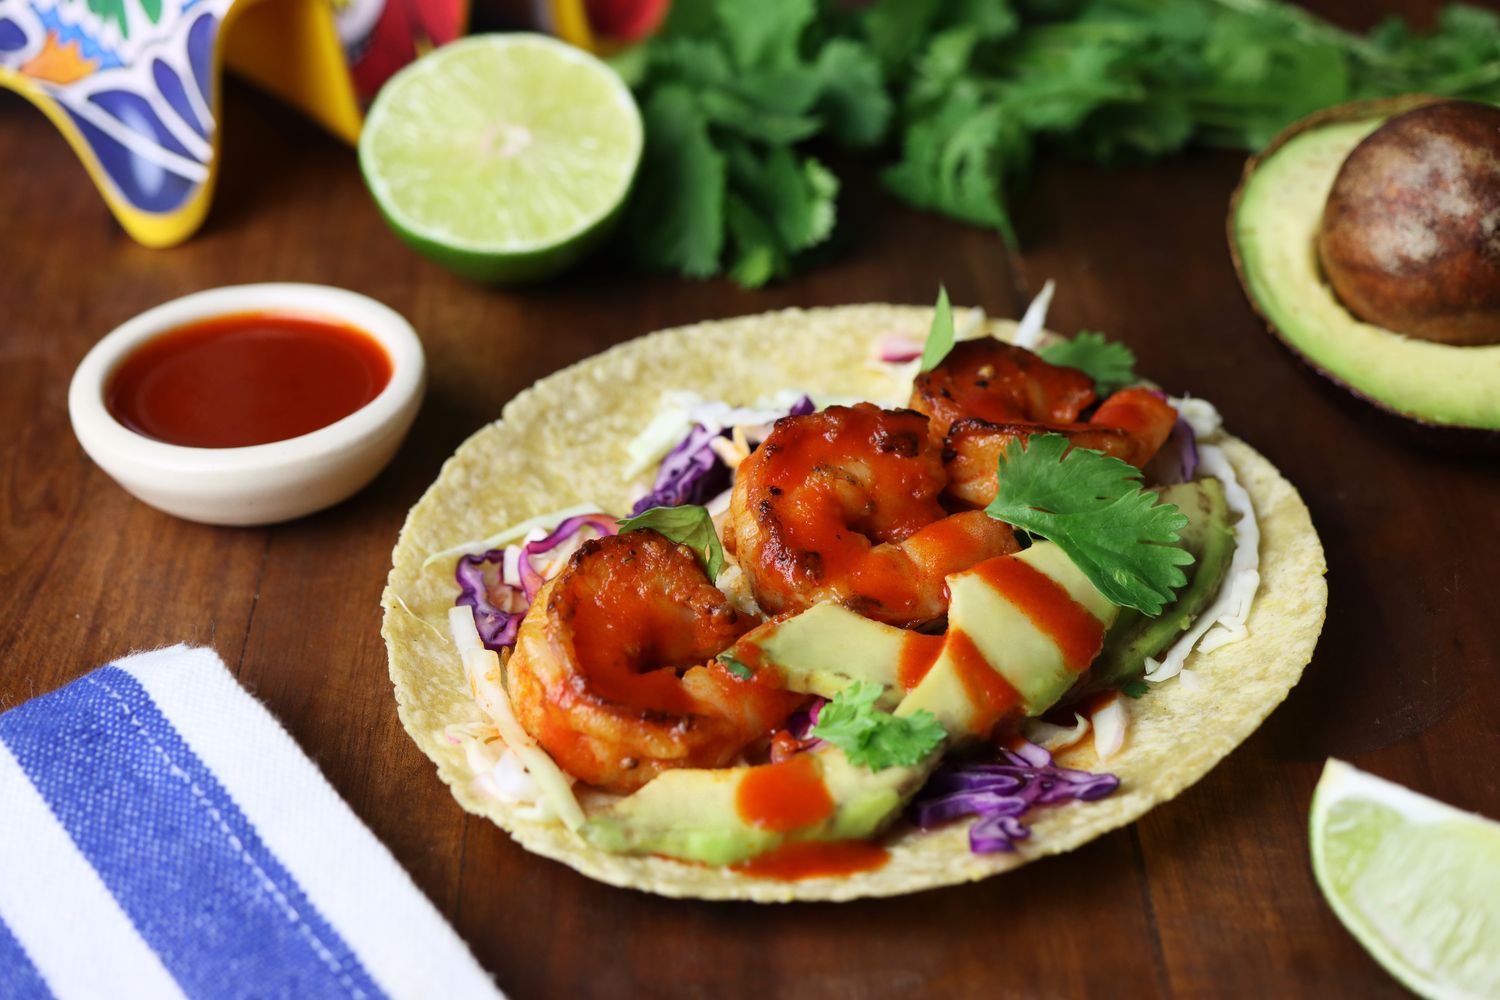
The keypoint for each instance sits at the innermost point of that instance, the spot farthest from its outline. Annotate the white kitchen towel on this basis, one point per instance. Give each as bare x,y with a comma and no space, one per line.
161,835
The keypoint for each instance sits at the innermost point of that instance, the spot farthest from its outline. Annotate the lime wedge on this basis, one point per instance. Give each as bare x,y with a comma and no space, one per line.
1416,881
502,157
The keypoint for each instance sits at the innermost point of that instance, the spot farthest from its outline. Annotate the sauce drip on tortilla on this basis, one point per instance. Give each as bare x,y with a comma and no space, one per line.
813,858
246,379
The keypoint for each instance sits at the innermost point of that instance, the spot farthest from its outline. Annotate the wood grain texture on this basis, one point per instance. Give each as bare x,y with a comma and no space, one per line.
1210,895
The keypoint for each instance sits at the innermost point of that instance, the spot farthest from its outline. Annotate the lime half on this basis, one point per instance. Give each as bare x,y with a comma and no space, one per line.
503,157
1416,881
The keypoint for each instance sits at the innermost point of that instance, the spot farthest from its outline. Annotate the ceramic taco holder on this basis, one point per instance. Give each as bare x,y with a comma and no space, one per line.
135,85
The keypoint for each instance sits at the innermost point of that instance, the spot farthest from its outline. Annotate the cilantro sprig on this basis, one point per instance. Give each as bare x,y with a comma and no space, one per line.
731,93
688,524
1108,362
940,336
1093,507
872,738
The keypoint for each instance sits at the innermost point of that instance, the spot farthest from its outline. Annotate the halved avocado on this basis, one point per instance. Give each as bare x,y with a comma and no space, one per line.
1273,225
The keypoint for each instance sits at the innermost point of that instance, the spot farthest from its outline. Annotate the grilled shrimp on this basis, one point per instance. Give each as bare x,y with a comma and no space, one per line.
843,504
613,671
1130,425
991,380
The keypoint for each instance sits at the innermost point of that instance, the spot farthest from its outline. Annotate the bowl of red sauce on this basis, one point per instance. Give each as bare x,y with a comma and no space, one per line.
250,404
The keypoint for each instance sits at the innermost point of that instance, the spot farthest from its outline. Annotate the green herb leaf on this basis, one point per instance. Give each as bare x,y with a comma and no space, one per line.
1135,689
852,98
1108,362
764,32
689,525
677,216
1094,509
872,738
735,667
940,336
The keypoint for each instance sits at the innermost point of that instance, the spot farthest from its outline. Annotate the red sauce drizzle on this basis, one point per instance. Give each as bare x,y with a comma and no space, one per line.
246,379
918,653
811,858
784,797
1049,606
991,695
811,515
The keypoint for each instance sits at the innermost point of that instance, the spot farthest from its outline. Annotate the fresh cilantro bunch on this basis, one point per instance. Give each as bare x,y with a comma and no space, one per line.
732,93
872,738
988,84
737,95
1092,507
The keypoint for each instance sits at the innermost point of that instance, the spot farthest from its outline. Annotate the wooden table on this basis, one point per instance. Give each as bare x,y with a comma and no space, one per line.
1210,894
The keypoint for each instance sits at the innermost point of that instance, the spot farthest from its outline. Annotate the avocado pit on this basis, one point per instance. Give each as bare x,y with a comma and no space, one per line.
1410,235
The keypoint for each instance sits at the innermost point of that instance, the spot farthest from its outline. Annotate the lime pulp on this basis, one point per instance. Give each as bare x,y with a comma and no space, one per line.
1416,881
503,157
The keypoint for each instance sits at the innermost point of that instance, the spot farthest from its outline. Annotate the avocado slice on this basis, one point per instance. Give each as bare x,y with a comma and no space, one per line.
826,648
694,814
1023,654
1273,224
1209,536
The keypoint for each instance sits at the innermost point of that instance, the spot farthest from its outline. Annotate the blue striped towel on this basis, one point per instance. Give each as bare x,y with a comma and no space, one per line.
161,835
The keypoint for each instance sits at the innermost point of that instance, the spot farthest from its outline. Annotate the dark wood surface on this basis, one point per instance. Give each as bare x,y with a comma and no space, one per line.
1208,895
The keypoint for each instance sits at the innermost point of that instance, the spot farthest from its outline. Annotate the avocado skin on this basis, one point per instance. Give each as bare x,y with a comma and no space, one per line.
1455,438
1209,536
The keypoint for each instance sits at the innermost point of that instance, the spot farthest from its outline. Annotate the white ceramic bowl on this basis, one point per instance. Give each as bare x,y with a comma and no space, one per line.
264,483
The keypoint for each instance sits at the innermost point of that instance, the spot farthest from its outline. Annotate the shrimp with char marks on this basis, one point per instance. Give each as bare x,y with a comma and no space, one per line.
991,380
1130,425
613,671
844,505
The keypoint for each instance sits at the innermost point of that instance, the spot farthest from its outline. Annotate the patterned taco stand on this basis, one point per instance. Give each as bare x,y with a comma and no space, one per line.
134,85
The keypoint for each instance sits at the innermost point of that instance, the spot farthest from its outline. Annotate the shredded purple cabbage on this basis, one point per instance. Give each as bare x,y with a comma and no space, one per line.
482,577
497,629
802,407
800,722
1183,444
531,580
1177,461
693,472
1001,792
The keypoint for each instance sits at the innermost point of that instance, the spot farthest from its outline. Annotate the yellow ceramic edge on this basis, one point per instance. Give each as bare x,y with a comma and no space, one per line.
341,116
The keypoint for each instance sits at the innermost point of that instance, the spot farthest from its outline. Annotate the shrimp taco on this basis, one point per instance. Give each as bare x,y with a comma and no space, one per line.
800,606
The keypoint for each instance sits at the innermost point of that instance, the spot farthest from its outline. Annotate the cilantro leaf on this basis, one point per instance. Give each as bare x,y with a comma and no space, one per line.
940,336
1093,508
763,32
1135,689
676,217
852,97
1109,363
688,524
735,667
872,738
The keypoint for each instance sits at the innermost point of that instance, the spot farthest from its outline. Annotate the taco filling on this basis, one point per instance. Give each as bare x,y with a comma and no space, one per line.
824,620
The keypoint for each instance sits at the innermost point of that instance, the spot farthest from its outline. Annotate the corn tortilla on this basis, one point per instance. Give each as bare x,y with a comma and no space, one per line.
562,442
